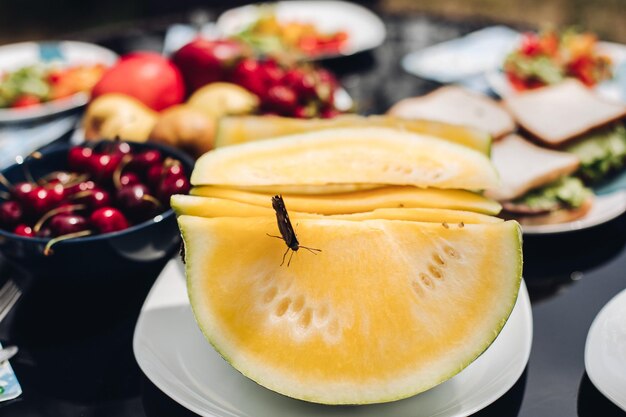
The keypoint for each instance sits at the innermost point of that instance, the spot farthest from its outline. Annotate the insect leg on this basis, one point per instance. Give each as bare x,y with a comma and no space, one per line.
285,254
312,250
289,262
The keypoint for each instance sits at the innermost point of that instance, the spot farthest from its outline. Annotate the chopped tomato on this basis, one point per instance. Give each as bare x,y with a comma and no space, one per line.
26,100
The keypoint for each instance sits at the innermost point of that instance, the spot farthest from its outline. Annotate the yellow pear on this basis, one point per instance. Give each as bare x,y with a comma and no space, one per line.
185,127
117,115
221,99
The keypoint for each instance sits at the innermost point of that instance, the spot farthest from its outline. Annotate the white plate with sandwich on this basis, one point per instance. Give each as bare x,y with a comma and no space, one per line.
582,136
566,132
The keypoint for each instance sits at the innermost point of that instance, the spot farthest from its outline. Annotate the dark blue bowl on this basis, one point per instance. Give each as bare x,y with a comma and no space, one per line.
108,255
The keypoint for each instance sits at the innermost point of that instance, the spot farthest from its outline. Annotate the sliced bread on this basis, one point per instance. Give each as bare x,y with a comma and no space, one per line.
558,113
524,166
457,105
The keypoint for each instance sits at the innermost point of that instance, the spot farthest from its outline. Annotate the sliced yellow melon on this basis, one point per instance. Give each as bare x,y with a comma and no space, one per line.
388,309
360,201
235,130
347,156
218,207
309,189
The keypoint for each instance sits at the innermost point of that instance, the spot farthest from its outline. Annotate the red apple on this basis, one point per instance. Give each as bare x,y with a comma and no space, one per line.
204,61
146,76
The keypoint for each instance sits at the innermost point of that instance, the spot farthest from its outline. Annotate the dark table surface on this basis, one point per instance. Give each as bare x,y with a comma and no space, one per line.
75,339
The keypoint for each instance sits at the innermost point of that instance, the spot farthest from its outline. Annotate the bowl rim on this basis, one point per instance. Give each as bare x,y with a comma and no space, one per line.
64,147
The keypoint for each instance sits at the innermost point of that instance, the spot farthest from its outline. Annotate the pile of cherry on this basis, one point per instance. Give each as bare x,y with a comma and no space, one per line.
107,188
302,91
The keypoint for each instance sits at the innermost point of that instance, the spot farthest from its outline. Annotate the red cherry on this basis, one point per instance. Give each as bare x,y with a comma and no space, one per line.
129,178
329,113
94,198
102,166
154,175
304,112
78,158
144,160
21,190
40,200
248,74
108,219
81,186
136,202
173,185
271,72
120,148
24,230
58,191
10,213
302,82
66,223
281,98
170,168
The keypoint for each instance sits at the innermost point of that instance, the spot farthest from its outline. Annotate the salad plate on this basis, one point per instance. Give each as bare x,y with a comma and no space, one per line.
605,350
363,29
613,89
61,54
174,355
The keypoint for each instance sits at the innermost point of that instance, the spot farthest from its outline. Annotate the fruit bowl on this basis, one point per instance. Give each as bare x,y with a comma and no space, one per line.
107,254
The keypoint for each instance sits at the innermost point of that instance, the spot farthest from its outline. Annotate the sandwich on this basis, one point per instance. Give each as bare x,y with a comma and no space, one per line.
572,118
537,186
458,106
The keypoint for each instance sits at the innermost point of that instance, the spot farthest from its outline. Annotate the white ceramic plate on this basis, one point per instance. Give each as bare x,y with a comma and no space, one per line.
18,55
365,30
605,208
614,90
605,350
173,353
462,58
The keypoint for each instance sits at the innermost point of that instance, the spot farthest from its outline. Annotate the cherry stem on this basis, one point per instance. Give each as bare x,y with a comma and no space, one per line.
151,199
37,227
82,194
47,251
77,180
4,181
117,174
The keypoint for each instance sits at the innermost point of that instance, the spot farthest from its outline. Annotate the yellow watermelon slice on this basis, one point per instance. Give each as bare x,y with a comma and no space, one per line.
388,309
348,156
219,207
360,201
241,129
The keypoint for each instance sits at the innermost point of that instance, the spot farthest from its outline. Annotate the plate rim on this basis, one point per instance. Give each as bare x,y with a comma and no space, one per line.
592,335
571,227
523,299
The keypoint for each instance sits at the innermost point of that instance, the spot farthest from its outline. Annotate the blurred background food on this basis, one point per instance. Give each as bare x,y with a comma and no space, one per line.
40,19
